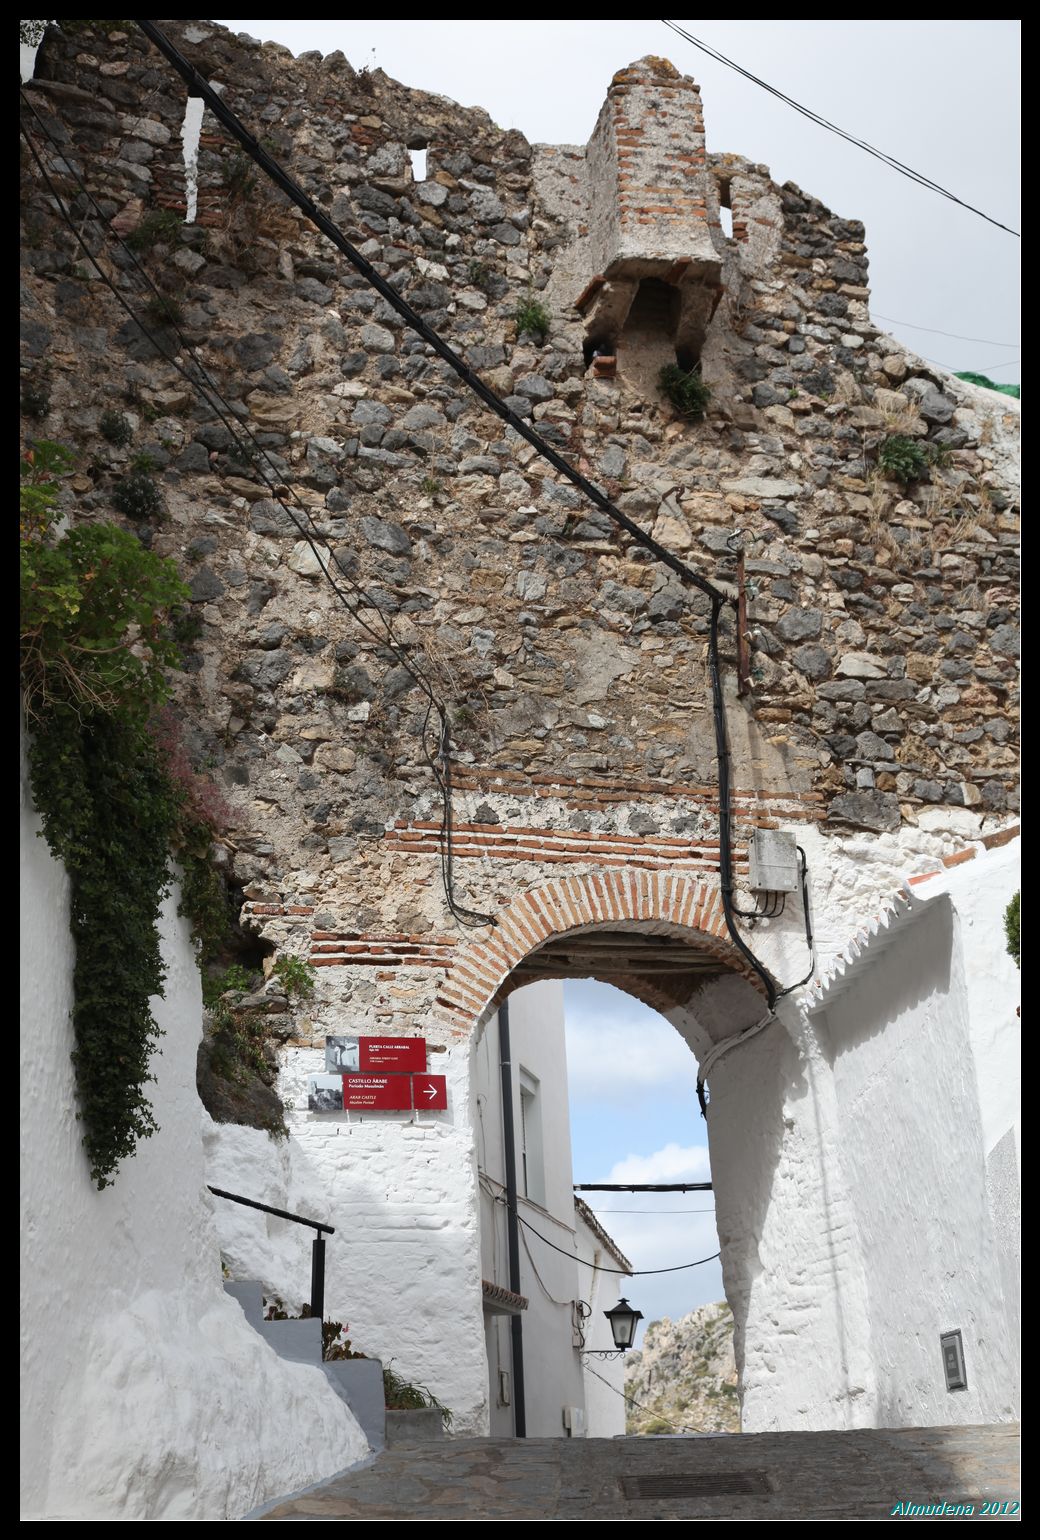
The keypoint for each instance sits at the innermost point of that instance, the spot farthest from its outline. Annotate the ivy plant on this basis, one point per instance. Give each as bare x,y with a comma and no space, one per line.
117,798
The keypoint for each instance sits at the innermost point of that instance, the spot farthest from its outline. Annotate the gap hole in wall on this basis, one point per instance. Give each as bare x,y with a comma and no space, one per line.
726,209
599,346
417,155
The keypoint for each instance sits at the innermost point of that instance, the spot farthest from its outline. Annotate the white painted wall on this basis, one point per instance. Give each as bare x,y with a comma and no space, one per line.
550,1282
790,1256
604,1378
145,1393
796,1175
925,1066
403,1269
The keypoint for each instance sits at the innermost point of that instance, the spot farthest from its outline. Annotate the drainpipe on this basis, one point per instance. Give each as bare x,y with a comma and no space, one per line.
516,1324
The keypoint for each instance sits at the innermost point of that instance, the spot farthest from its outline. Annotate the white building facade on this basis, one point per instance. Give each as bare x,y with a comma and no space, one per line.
563,1256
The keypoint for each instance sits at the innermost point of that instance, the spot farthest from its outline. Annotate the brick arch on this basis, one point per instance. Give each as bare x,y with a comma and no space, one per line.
665,903
659,997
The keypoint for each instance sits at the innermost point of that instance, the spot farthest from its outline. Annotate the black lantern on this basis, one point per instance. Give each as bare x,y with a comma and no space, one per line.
623,1324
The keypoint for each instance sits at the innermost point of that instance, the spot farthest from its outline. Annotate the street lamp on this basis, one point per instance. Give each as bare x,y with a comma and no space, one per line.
623,1324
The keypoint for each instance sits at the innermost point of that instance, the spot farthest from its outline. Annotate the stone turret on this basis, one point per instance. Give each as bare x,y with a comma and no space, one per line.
652,208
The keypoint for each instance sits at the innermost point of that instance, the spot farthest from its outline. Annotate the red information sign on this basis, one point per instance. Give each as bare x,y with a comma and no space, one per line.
377,1093
394,1053
430,1093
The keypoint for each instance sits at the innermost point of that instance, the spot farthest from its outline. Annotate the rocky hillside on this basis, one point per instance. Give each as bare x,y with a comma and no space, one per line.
685,1378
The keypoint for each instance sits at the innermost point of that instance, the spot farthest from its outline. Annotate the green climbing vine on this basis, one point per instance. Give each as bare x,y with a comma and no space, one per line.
117,797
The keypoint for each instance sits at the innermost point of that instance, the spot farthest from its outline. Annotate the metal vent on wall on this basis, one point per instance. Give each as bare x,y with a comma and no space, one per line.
709,1483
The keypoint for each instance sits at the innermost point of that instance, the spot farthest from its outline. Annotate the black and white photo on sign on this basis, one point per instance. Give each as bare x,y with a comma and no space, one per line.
324,1093
341,1055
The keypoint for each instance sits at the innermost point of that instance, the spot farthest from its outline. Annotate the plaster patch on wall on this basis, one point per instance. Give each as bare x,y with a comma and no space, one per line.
191,131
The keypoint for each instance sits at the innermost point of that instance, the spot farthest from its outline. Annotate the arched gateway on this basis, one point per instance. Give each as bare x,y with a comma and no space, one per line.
624,913
791,1266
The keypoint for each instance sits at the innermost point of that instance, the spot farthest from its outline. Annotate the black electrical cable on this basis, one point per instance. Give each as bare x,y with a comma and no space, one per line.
198,86
638,1272
214,398
722,754
675,1426
956,336
808,928
814,117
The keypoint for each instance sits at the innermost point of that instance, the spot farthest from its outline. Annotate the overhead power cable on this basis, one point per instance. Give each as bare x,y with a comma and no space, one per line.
635,1272
440,761
675,1427
642,1187
814,117
914,327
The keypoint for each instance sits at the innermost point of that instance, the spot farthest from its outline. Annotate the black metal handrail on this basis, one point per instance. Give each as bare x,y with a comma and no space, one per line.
317,1245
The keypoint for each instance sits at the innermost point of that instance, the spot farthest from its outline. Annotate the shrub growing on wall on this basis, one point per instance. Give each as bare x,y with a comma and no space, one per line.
1011,928
685,390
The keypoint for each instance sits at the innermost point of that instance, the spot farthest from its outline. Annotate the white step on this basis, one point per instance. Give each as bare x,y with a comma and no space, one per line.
299,1341
250,1296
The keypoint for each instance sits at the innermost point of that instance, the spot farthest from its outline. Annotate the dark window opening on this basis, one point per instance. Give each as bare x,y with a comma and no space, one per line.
687,360
655,308
597,347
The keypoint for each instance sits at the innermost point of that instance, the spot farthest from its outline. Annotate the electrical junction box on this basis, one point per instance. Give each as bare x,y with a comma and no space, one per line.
773,857
574,1421
952,1344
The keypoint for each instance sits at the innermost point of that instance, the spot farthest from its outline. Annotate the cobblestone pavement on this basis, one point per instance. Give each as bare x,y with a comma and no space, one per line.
766,1476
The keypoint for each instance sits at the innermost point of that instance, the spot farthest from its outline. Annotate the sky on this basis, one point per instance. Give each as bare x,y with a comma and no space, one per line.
941,96
634,1118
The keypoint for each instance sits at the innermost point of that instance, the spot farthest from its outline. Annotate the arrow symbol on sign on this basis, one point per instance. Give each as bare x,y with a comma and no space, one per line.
430,1090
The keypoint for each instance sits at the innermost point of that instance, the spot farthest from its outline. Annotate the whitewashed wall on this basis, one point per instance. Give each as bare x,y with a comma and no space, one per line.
403,1268
551,1282
791,1262
925,1066
604,1378
145,1393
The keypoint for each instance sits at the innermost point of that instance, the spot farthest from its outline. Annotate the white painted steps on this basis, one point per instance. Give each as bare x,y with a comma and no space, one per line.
357,1381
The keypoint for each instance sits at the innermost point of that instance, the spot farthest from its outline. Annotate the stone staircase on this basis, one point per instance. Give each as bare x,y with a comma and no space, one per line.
357,1381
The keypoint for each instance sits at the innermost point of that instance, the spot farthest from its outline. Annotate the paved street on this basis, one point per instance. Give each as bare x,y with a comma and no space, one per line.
771,1476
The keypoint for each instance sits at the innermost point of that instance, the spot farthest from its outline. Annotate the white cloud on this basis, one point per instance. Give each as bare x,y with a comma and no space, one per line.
616,1046
673,1163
